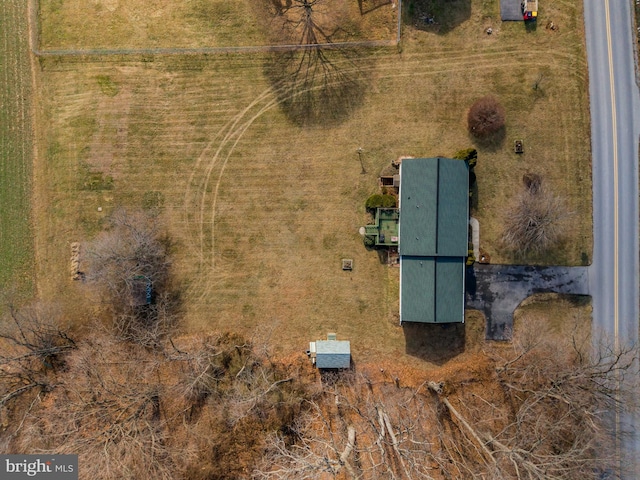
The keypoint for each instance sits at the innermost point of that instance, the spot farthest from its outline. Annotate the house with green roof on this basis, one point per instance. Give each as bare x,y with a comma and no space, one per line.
433,239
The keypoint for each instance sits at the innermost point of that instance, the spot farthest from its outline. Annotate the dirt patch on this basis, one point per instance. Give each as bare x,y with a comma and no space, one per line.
109,140
110,5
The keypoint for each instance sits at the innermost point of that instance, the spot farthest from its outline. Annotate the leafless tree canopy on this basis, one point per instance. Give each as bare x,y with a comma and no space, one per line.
534,223
33,345
219,407
486,117
133,254
132,246
307,22
196,409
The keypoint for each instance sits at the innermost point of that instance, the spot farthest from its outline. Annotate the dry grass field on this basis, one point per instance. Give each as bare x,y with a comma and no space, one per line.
113,24
562,314
16,247
261,207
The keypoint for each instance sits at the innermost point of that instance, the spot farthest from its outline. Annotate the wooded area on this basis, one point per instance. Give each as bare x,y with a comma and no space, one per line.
222,406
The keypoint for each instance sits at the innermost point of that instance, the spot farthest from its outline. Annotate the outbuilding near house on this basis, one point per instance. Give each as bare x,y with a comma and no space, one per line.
330,353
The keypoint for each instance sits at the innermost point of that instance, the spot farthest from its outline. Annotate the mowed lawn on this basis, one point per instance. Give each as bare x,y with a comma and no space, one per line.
117,24
16,244
262,209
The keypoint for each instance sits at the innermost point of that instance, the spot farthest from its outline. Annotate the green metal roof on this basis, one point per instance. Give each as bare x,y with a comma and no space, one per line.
417,289
432,289
434,207
434,218
418,206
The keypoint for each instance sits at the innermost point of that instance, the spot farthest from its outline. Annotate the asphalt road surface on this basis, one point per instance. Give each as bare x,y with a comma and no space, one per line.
615,126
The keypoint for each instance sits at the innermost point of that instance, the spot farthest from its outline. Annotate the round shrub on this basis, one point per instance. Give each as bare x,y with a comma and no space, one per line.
388,201
485,117
469,155
374,201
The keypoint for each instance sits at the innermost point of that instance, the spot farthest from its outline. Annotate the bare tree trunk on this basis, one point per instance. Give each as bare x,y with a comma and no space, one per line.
437,389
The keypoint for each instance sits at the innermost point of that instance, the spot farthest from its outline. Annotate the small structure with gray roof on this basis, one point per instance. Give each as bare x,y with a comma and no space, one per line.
433,243
330,353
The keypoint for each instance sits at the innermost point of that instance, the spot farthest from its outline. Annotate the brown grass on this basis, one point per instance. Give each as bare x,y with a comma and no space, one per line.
262,210
561,314
112,24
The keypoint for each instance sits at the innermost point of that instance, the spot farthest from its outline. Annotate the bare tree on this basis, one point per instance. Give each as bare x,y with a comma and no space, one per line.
130,262
233,393
132,247
196,408
560,388
108,407
370,431
486,117
32,348
535,222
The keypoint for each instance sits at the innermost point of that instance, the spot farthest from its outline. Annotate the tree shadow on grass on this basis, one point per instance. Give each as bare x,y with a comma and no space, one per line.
318,78
368,6
490,143
437,16
318,84
434,343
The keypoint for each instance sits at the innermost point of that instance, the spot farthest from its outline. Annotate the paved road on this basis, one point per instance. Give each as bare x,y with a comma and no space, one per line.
615,125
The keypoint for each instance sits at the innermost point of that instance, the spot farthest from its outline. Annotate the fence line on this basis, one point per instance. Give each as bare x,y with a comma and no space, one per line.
207,50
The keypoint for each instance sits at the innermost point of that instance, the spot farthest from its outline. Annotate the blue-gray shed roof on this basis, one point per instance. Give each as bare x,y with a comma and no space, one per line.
333,353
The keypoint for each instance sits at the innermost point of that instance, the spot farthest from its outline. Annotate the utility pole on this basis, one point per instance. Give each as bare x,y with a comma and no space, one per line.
360,150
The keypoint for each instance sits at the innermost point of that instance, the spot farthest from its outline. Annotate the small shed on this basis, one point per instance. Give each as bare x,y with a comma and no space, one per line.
141,291
331,353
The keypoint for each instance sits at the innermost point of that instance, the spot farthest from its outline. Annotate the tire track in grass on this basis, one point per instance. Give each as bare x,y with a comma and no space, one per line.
203,169
200,204
232,133
226,132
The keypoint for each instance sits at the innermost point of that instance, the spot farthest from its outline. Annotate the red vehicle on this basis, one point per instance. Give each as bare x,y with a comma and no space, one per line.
530,9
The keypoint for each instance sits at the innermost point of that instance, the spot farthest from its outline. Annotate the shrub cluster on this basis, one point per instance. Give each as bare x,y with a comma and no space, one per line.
469,155
380,201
